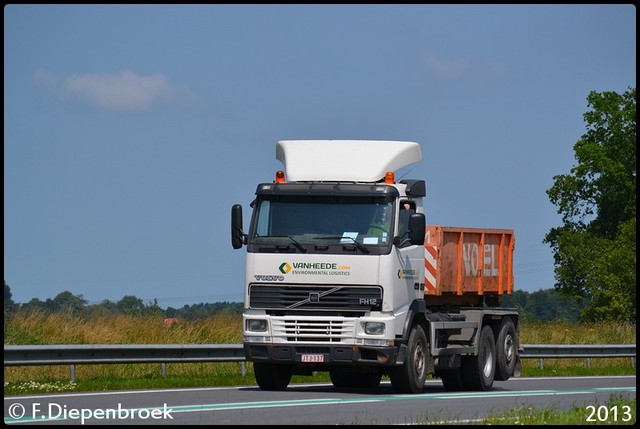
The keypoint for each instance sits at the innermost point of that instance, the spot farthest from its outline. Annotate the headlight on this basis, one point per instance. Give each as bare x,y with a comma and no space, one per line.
256,325
374,328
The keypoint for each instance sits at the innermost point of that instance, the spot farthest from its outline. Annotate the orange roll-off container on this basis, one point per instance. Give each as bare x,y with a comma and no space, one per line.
466,265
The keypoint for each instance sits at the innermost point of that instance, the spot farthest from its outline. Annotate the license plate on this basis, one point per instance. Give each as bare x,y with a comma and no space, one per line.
312,358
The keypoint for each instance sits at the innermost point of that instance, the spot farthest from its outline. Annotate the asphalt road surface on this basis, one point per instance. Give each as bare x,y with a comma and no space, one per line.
322,404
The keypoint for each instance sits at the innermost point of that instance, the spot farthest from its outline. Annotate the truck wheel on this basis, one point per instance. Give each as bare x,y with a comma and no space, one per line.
507,348
478,372
370,380
272,376
340,379
410,377
451,380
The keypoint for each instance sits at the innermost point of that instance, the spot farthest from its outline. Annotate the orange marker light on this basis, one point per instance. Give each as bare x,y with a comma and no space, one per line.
279,176
389,178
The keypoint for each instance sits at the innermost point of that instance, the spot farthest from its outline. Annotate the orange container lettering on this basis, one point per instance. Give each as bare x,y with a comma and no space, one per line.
468,262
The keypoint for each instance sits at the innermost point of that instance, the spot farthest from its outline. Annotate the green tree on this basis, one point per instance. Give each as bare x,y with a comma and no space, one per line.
35,305
595,248
170,312
130,304
153,309
105,307
66,302
9,305
544,305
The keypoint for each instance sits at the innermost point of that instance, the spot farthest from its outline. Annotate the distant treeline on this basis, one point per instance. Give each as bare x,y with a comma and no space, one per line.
545,305
541,306
67,302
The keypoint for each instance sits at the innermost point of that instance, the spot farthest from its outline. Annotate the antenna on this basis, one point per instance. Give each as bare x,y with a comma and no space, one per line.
401,177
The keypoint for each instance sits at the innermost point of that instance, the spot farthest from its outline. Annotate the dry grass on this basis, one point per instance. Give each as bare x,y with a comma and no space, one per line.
42,328
567,333
38,328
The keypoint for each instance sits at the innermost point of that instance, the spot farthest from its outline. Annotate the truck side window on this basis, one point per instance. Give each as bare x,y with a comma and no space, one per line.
263,222
406,209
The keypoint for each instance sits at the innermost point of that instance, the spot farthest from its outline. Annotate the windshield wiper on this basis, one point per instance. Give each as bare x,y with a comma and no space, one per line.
360,246
297,244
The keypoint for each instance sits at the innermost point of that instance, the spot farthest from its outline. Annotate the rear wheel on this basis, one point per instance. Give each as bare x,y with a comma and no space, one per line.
410,377
370,380
507,349
478,372
451,379
272,376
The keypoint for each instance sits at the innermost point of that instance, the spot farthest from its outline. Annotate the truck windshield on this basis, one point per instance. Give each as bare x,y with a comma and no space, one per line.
318,222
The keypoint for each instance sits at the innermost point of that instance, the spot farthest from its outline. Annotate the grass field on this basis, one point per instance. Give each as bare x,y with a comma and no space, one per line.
25,329
54,328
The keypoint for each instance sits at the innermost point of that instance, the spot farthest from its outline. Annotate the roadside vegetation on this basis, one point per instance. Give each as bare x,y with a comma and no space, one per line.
56,328
617,411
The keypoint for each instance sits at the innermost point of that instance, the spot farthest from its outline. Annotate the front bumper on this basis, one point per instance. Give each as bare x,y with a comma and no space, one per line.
332,355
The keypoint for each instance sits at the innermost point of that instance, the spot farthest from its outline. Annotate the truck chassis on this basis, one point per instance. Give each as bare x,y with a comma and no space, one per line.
467,349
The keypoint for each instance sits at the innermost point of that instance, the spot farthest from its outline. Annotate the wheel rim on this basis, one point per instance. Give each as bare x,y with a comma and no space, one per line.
488,363
419,360
508,348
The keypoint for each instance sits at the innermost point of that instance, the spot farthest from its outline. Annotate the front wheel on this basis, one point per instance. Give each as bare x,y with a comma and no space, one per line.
272,376
410,377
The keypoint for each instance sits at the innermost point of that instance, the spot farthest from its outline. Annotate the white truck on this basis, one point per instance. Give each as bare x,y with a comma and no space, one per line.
344,275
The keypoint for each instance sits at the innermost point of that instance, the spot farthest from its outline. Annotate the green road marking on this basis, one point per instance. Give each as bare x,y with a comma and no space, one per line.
329,401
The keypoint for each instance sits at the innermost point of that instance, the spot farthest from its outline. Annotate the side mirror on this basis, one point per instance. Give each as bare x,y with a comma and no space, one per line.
417,228
237,236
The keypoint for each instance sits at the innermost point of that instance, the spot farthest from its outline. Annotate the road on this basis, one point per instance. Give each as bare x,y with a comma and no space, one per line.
322,404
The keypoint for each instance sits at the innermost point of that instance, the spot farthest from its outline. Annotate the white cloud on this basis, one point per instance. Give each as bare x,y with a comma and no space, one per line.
125,91
446,69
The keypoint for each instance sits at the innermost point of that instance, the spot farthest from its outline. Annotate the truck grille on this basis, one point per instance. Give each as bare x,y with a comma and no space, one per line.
305,330
315,297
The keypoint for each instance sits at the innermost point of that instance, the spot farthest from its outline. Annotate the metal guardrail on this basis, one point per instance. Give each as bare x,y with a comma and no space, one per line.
61,354
76,354
588,351
578,350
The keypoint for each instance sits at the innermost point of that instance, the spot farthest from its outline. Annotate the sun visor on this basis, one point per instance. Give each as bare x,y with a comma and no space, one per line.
344,160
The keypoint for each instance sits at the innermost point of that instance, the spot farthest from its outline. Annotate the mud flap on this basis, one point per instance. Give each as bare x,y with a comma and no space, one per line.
401,357
518,367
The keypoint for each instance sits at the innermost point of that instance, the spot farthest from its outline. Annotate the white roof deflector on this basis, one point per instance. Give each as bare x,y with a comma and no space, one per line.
344,160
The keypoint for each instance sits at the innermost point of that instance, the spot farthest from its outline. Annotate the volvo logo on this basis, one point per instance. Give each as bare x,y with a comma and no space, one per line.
314,297
264,278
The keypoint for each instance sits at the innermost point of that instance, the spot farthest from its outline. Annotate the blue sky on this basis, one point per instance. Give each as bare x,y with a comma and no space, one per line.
130,130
